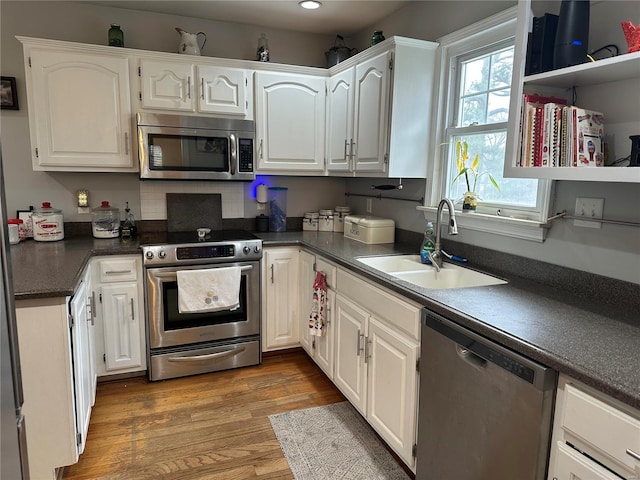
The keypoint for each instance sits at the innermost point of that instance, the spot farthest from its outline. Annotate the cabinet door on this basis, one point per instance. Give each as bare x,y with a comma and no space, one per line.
81,363
307,277
167,85
324,345
79,111
121,322
371,114
392,387
222,90
290,116
340,120
281,324
350,337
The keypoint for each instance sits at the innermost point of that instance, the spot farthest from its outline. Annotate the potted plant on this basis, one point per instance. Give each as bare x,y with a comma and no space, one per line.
470,198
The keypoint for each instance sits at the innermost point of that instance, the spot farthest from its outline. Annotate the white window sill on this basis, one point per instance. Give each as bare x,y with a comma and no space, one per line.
497,225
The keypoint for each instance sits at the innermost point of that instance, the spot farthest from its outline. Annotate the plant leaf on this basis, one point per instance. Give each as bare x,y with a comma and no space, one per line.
476,161
493,181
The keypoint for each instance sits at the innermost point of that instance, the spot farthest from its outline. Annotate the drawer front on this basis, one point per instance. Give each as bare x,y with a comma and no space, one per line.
395,310
571,465
118,270
606,428
329,270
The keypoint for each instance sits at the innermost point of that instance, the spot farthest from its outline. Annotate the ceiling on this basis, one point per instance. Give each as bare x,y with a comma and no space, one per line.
348,17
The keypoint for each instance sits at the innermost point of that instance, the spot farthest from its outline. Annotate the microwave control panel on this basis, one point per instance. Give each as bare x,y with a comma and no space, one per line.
245,155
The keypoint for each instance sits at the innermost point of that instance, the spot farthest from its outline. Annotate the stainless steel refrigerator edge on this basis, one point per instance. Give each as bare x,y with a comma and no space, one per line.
13,460
484,411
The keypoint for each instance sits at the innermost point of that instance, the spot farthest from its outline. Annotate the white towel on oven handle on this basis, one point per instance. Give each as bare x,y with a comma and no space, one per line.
208,290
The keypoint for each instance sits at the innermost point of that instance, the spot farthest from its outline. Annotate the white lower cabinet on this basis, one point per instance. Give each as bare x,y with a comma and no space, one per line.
55,338
319,348
376,354
595,437
280,298
119,311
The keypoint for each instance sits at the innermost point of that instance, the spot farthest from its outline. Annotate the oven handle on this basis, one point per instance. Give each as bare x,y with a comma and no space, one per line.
244,268
209,356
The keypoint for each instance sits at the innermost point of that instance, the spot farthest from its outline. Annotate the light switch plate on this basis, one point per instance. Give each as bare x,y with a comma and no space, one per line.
591,208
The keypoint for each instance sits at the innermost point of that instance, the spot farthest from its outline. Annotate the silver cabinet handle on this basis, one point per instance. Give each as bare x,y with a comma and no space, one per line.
367,353
126,143
352,155
633,454
189,86
359,348
260,149
202,88
346,145
116,272
133,311
210,356
92,302
272,273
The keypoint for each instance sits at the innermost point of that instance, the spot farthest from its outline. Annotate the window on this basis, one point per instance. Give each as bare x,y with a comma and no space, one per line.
476,65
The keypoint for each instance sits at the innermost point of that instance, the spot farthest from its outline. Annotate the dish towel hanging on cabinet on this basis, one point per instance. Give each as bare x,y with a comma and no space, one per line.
208,290
318,305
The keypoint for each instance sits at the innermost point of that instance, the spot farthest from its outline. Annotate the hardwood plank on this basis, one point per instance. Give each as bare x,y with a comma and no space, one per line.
212,426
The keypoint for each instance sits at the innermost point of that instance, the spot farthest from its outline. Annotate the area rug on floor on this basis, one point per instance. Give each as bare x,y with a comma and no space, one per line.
333,442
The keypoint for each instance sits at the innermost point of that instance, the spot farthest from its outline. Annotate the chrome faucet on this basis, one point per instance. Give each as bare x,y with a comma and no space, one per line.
436,255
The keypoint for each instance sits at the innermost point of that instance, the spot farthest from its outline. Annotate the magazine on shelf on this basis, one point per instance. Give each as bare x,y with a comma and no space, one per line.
587,142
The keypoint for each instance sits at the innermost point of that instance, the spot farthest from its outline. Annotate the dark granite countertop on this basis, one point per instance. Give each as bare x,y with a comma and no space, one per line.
590,340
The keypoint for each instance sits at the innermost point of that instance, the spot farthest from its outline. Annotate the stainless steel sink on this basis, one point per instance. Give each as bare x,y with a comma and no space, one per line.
410,269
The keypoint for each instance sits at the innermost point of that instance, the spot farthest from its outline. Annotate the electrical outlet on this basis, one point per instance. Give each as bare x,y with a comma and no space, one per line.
369,205
591,208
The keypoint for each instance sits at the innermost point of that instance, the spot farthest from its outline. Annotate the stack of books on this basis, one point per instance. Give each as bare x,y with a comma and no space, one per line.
557,135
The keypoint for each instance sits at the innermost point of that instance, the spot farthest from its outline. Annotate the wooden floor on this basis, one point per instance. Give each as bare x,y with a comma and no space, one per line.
212,426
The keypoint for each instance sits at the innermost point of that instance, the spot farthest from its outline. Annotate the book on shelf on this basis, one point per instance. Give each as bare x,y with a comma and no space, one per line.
555,134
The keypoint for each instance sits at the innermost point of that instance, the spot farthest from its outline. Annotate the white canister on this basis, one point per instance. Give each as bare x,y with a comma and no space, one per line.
310,221
325,221
48,223
14,230
105,222
338,218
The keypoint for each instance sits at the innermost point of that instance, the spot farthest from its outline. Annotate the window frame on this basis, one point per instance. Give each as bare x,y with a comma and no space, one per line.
527,223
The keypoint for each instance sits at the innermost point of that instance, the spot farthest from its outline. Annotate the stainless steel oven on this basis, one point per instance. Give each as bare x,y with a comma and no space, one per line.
181,344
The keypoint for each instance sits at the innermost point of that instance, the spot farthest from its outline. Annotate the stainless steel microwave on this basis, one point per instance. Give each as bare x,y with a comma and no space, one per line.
182,147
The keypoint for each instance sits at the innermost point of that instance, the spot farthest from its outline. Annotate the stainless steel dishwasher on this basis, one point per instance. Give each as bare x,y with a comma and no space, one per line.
484,411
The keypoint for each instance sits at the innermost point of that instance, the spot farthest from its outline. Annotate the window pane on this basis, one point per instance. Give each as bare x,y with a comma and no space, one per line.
474,110
498,109
501,67
491,150
475,75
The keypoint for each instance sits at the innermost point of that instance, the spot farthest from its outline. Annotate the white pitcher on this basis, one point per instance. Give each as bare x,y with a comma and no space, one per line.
189,42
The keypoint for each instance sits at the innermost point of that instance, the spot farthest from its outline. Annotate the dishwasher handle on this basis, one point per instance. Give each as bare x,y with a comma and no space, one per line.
476,349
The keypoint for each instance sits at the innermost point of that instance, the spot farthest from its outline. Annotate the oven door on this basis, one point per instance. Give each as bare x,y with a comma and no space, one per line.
170,328
177,152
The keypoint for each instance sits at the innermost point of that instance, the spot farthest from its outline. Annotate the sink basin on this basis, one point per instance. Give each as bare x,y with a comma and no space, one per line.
410,269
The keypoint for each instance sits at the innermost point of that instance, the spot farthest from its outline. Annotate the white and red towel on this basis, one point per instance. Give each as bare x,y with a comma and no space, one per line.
318,305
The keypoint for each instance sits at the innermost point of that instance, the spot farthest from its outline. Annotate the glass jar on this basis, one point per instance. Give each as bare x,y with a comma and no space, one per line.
377,37
278,209
105,221
48,223
116,36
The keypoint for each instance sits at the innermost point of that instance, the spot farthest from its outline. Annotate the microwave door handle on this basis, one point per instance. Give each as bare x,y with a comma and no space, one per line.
234,153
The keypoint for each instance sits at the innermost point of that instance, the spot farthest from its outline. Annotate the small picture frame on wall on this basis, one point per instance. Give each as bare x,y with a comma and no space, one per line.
8,93
27,225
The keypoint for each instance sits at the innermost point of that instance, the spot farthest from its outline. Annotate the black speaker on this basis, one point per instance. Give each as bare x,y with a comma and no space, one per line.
572,35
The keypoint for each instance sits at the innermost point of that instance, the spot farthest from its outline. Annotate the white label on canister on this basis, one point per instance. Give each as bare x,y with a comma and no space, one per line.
48,228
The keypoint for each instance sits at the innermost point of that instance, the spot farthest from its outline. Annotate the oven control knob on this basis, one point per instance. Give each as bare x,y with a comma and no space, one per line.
149,254
256,249
246,250
162,254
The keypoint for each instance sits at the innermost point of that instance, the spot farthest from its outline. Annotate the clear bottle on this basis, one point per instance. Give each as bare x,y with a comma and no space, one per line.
262,54
377,37
116,36
428,244
128,228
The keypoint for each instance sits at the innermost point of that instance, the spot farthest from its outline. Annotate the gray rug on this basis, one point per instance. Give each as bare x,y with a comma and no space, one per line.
333,443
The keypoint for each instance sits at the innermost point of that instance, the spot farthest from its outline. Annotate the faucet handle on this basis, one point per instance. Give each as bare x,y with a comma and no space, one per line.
436,260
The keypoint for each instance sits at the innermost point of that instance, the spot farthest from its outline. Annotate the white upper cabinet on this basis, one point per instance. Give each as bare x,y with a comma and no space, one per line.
79,108
379,109
609,85
194,87
290,116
